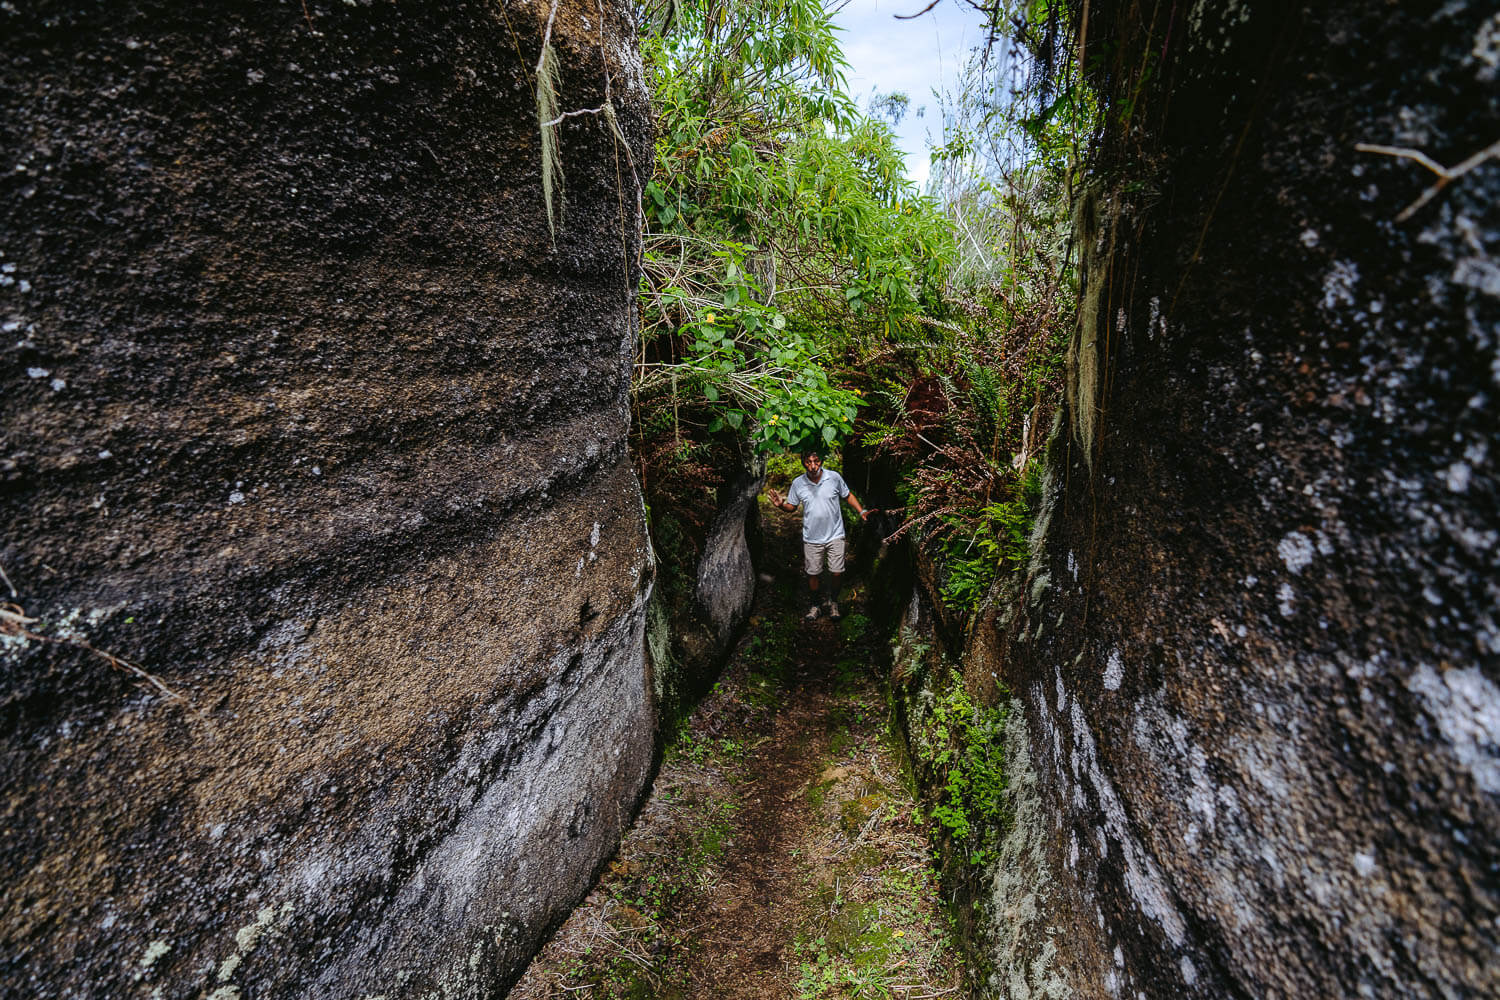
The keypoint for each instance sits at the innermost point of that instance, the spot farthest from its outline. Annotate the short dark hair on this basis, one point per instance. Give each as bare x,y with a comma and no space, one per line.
809,454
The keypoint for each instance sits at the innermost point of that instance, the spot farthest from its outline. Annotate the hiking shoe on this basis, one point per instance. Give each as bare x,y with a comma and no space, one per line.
812,614
833,610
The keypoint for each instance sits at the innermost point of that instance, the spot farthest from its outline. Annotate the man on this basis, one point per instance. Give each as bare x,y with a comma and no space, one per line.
818,493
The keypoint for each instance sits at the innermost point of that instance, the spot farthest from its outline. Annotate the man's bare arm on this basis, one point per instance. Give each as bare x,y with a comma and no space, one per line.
853,501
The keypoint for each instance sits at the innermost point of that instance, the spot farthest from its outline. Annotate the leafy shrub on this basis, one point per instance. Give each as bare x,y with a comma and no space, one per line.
999,535
780,227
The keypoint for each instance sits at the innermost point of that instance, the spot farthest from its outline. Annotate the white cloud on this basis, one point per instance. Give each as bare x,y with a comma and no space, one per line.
914,57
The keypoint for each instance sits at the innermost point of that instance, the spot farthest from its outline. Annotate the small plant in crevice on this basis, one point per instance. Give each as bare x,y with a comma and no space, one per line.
956,746
965,752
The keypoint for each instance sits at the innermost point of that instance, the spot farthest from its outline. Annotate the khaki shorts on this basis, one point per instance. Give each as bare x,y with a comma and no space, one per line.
813,556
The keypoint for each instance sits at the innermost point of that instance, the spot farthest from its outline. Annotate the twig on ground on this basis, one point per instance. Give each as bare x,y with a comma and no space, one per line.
869,825
638,959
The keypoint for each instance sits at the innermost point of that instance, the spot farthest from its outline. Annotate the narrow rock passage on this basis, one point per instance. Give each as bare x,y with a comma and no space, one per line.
779,855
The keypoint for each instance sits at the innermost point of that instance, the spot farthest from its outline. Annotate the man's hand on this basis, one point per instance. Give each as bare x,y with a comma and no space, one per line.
859,508
776,497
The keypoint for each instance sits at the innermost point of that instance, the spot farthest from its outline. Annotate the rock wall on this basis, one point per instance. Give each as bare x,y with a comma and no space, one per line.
706,585
1257,645
307,417
725,584
705,527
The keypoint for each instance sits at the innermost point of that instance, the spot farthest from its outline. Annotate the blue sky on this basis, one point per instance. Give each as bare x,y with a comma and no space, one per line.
913,56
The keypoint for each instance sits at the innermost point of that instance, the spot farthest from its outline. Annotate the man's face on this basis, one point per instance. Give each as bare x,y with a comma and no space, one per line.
814,466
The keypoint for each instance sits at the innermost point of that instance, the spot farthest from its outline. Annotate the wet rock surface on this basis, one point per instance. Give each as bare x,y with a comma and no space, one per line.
1258,646
305,415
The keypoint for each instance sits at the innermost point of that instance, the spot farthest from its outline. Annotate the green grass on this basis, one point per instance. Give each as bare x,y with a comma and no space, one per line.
866,947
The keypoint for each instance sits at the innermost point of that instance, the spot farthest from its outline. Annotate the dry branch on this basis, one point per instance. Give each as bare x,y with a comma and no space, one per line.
1446,175
14,622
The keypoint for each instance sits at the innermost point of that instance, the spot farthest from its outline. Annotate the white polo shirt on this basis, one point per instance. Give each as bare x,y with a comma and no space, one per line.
822,521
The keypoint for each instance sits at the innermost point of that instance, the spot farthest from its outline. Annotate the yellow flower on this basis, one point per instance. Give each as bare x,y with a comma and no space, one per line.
774,418
709,318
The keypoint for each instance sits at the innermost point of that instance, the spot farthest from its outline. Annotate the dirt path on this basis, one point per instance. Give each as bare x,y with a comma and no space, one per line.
778,856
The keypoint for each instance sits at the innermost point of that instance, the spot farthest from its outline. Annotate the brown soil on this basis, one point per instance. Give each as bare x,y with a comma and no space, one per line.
778,855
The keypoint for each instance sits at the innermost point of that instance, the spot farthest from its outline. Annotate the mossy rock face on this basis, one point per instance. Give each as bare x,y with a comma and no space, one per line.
332,443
